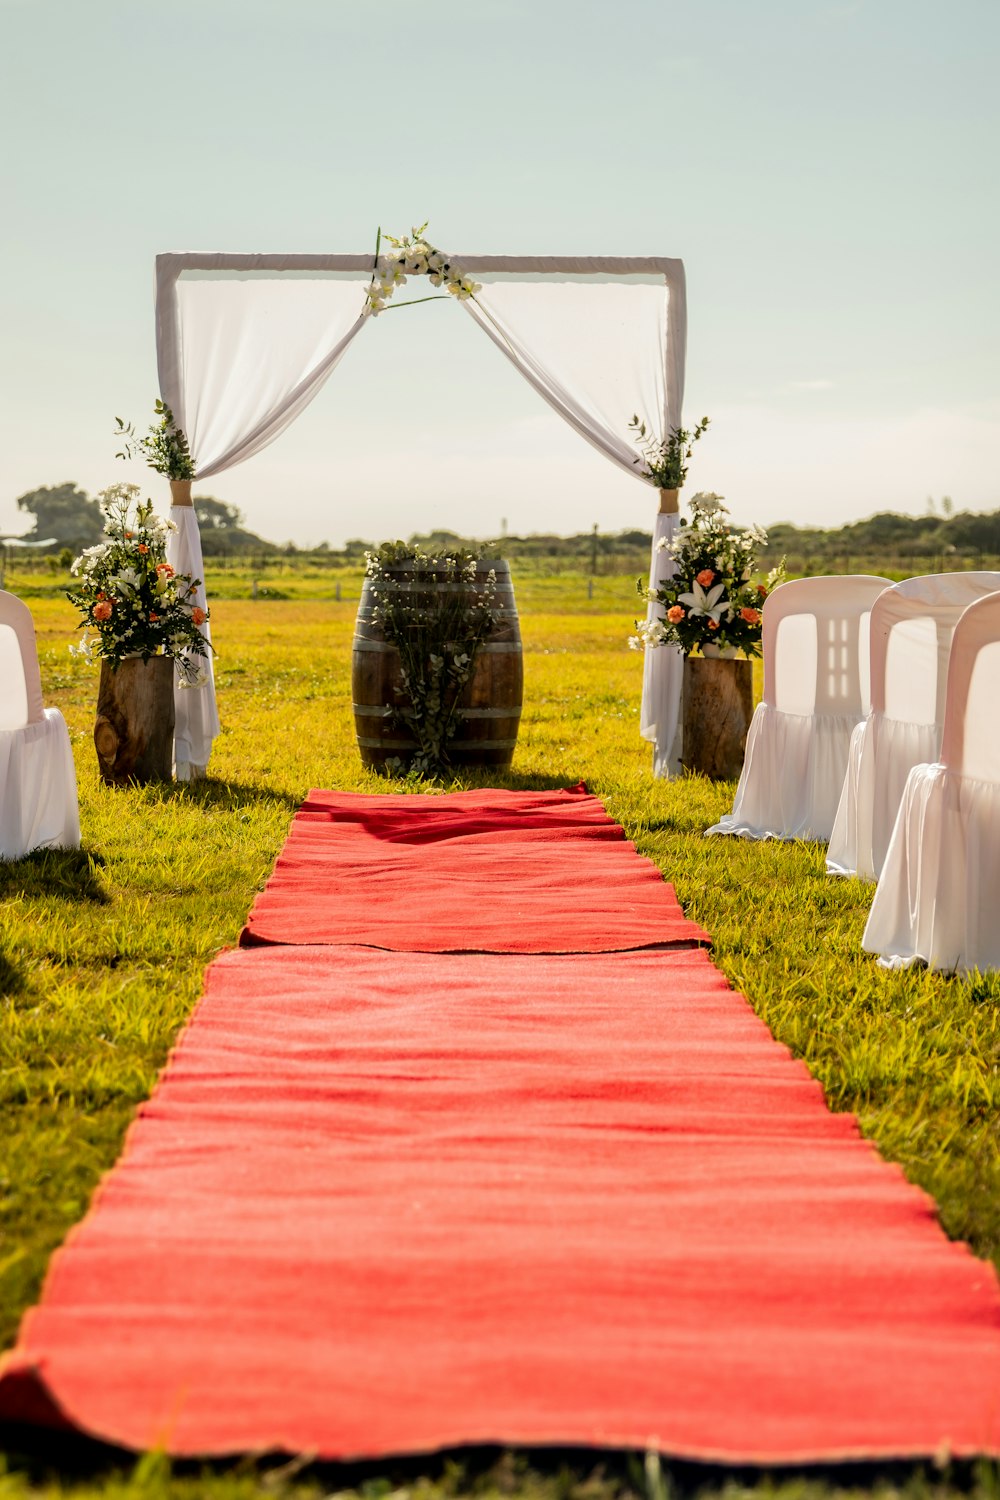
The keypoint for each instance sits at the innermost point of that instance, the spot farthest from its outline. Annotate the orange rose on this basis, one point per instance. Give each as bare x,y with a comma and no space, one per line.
713,624
704,577
102,610
752,616
762,590
198,615
164,570
143,549
675,614
152,616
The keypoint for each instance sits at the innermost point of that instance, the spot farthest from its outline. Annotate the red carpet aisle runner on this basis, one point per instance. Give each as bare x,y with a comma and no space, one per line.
386,1202
484,871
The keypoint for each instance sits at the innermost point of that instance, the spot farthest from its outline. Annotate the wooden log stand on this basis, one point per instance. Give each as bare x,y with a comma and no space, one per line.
134,733
718,704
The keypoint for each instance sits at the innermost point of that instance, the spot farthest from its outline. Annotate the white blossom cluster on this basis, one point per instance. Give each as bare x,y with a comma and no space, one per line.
710,600
415,256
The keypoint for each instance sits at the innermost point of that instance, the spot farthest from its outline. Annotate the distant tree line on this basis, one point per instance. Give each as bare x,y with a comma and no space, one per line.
888,538
939,538
73,519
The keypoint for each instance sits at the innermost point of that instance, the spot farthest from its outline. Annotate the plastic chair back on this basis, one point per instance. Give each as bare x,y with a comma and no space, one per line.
970,744
815,644
20,682
911,632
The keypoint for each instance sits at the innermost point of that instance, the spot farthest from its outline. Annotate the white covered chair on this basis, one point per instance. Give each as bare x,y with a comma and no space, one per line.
38,801
939,896
815,646
911,630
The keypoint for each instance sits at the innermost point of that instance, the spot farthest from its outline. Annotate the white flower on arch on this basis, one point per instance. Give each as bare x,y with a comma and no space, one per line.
415,256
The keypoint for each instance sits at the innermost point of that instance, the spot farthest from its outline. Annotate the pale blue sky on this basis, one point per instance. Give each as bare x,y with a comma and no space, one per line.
826,170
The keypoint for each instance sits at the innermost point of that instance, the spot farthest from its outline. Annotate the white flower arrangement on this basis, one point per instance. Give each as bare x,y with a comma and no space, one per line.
131,596
413,255
711,600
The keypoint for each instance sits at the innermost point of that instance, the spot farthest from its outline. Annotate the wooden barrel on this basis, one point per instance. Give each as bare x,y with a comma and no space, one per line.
490,705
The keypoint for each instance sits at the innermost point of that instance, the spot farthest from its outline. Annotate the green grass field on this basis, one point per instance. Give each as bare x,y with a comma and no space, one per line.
102,952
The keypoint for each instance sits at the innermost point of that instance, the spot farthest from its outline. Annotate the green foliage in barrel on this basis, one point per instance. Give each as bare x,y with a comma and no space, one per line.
436,608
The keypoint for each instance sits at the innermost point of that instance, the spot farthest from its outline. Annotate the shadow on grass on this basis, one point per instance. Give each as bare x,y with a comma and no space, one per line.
209,792
12,979
69,874
480,778
536,1474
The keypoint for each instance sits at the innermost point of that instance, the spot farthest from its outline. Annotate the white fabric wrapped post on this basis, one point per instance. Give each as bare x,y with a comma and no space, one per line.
38,799
815,648
911,630
196,716
939,893
663,666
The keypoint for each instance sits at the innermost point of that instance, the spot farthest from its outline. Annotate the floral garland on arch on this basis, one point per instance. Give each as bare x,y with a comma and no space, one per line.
413,255
712,603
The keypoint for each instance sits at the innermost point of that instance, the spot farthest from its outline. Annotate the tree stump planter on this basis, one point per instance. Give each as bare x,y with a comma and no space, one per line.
134,733
490,705
718,705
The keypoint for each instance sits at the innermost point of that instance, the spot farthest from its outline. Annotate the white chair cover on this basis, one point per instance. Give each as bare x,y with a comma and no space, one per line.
911,630
939,894
38,802
815,646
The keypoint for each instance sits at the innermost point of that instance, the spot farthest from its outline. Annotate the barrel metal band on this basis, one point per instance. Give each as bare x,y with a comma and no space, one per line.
379,711
455,744
493,648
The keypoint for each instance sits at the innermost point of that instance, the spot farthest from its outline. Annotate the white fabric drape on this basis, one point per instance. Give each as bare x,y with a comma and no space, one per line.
196,716
939,893
240,357
594,349
600,351
245,342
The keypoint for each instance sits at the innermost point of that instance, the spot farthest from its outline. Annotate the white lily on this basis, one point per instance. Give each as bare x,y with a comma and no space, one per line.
709,603
85,649
126,582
